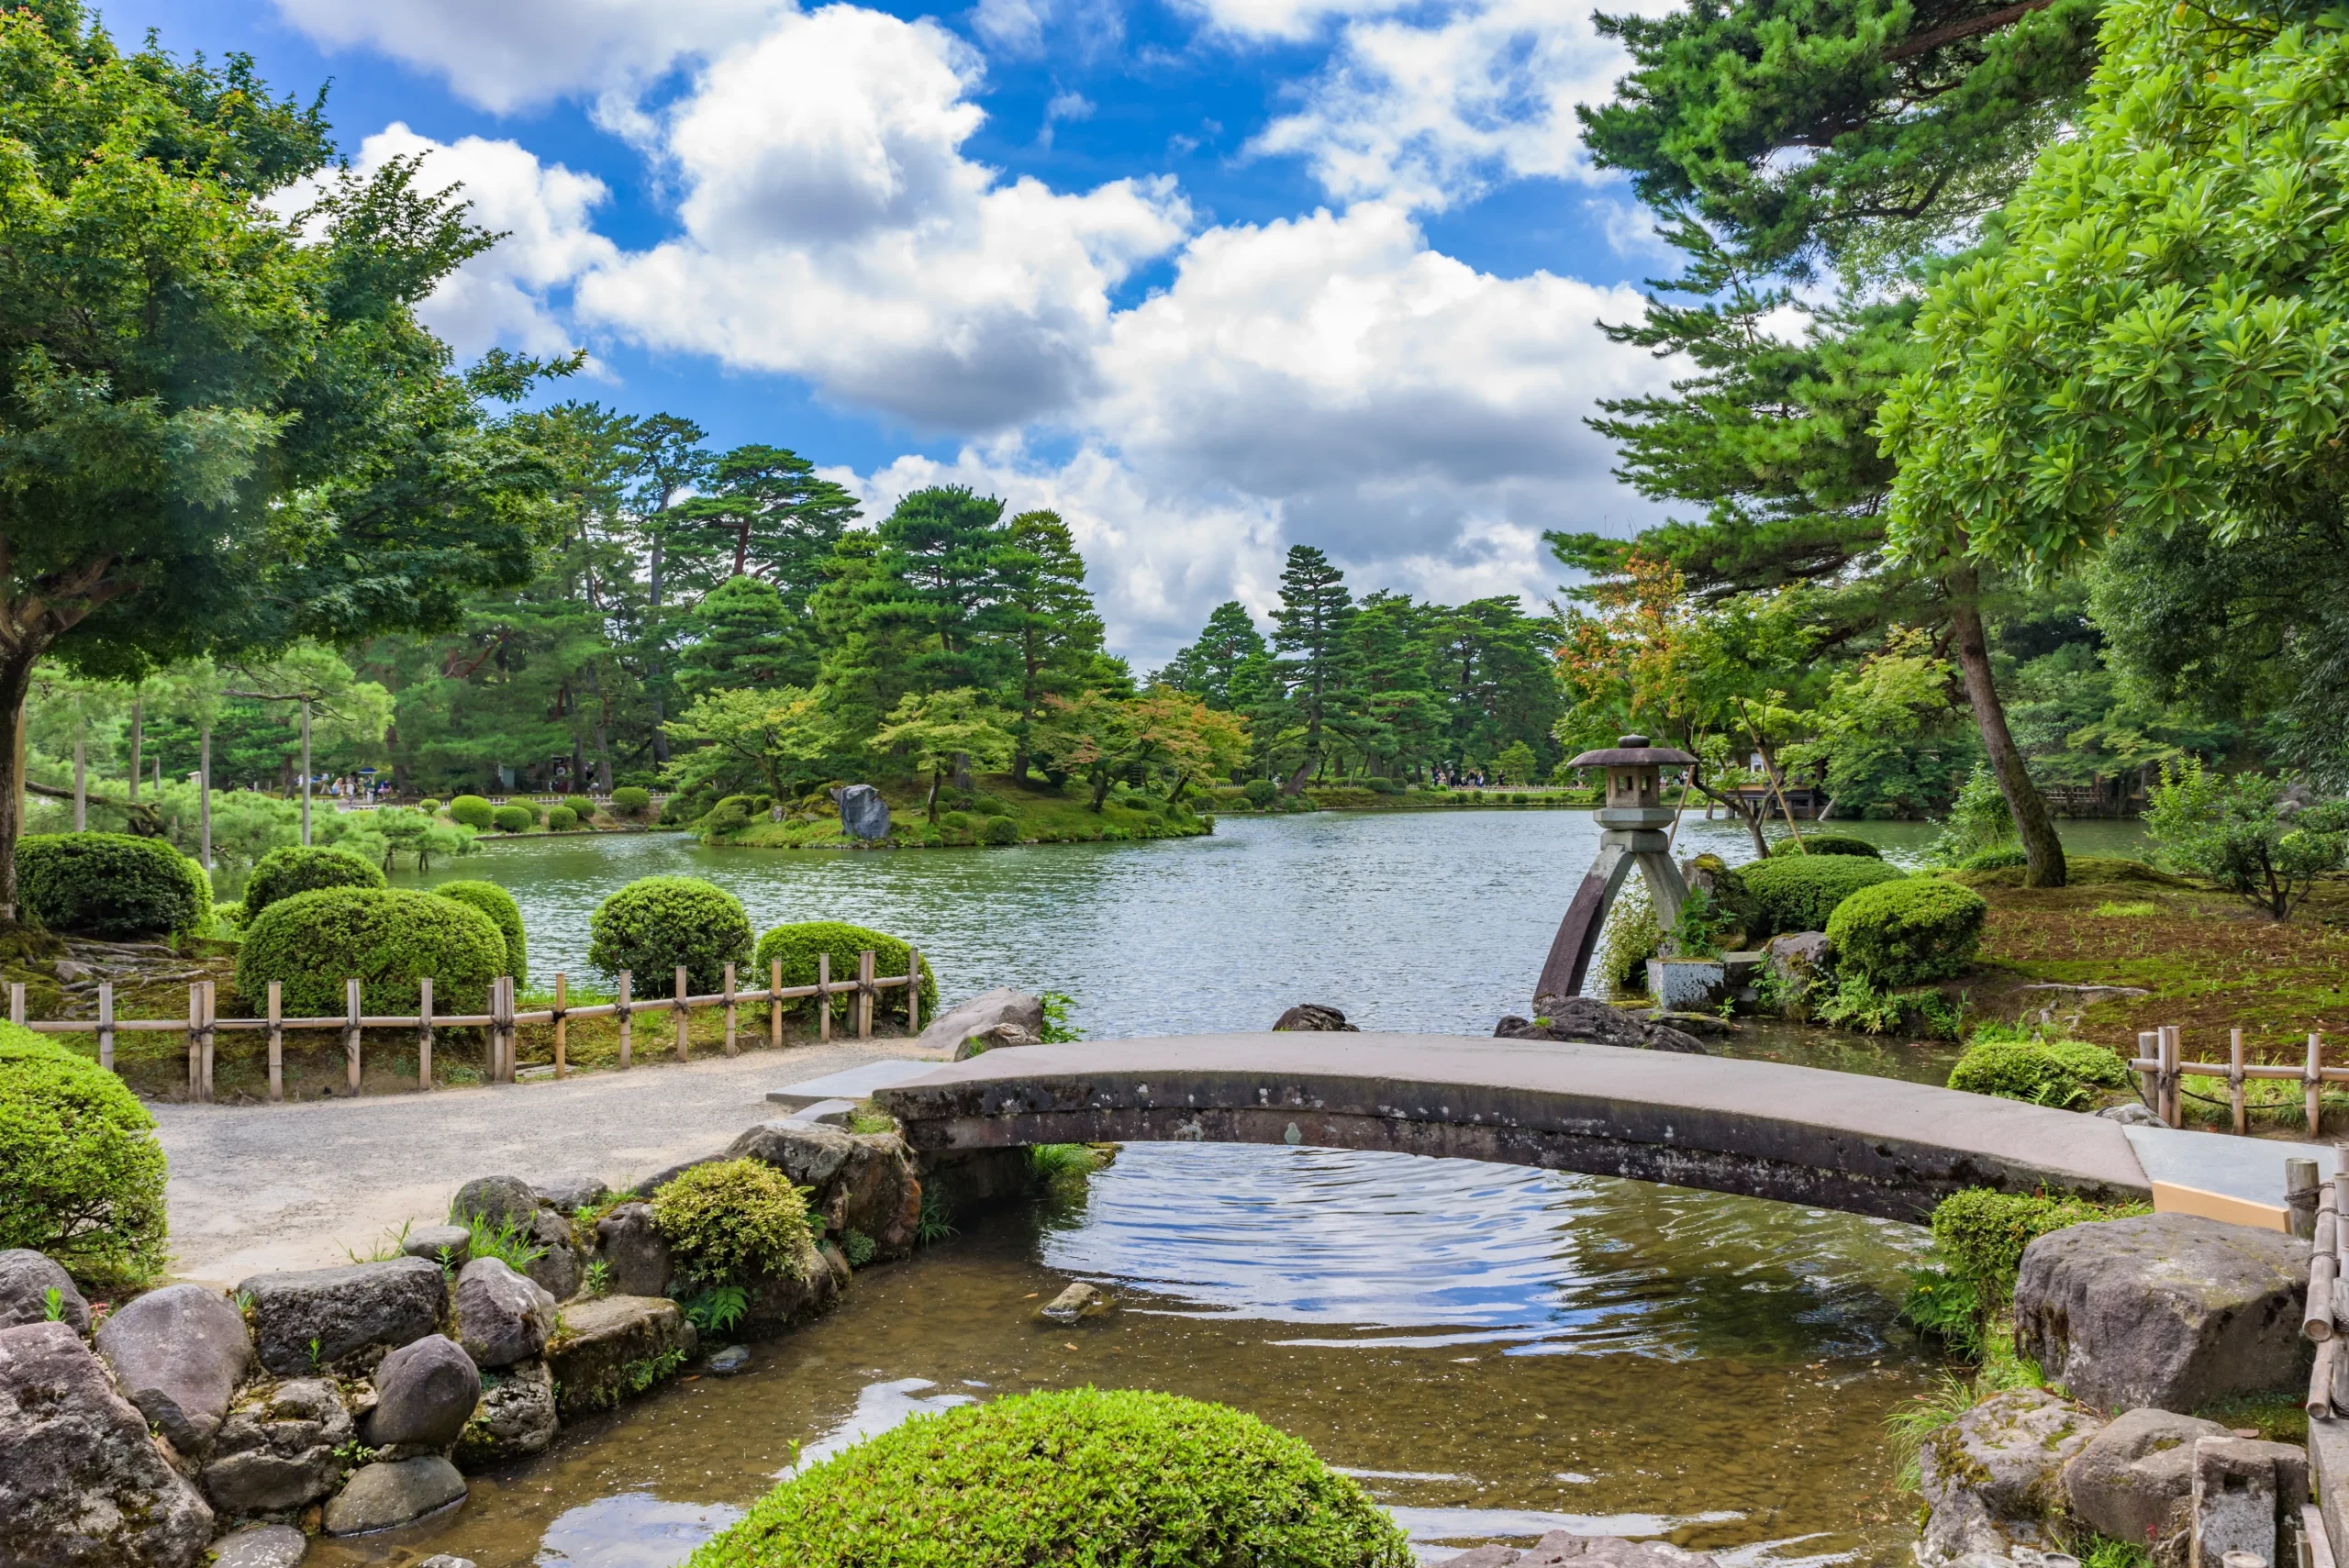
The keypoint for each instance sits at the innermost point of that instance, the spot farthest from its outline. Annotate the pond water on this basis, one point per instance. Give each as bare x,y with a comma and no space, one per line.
1495,1351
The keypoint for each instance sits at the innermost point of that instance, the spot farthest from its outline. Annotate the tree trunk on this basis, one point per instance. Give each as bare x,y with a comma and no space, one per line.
15,680
138,727
2042,851
81,789
204,792
306,772
936,775
963,770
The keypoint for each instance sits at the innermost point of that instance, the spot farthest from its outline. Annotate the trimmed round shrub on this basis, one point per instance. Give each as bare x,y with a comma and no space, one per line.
581,806
85,1174
2058,1073
562,820
1827,844
1260,792
389,938
110,884
656,923
1080,1475
728,815
472,811
733,1221
798,946
512,819
1800,893
504,913
1908,932
1001,830
427,805
297,868
631,801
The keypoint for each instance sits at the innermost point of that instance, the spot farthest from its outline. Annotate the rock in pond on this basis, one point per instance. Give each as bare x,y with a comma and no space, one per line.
25,1279
276,1449
450,1246
1992,1477
995,1036
729,1360
863,1181
568,1195
1590,1021
380,1497
502,1317
2134,1481
1798,957
632,1251
864,814
618,1346
82,1484
557,1269
319,1319
1313,1017
263,1546
1560,1548
178,1353
425,1393
515,1417
498,1200
2167,1310
1079,1300
447,1560
778,1301
982,1012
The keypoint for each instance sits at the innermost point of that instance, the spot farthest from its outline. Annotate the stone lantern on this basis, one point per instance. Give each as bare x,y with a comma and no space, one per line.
1634,829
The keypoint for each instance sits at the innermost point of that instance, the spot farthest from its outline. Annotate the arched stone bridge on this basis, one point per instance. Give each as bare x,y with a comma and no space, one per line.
1874,1146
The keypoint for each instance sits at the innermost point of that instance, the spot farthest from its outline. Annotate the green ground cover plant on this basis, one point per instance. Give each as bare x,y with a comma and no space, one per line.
299,868
2016,1065
656,923
798,946
498,904
388,938
110,885
1908,932
84,1174
733,1221
1800,893
1081,1476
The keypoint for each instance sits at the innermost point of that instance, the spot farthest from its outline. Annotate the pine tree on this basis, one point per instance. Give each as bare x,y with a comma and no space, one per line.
1311,628
1048,620
1207,668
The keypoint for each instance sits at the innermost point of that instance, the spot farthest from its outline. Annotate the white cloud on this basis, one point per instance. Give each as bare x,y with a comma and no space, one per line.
1287,20
509,54
833,229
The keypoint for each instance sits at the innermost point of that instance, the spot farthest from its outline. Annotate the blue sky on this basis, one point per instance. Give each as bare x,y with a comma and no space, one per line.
1210,279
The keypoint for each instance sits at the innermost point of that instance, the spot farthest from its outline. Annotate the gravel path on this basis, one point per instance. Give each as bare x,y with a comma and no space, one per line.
258,1187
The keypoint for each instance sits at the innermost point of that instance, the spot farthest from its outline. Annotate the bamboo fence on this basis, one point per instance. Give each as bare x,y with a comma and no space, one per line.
2162,1071
203,1024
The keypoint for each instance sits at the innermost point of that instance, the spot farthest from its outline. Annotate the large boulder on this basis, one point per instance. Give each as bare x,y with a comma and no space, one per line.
497,1200
178,1353
82,1484
25,1279
778,1301
448,1246
276,1449
320,1319
1994,1477
502,1317
569,1194
995,1036
1589,1021
2167,1310
878,1193
1314,1017
1558,1548
809,1153
1799,959
425,1393
2134,1480
616,1346
515,1417
263,1546
981,1013
635,1257
557,1269
864,814
380,1496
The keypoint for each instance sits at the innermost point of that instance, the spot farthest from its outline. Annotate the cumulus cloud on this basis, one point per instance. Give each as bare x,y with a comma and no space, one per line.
510,54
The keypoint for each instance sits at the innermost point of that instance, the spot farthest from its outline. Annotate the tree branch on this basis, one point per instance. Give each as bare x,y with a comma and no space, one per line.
1934,38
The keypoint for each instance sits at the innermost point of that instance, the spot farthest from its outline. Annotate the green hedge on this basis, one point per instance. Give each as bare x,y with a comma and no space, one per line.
581,806
656,923
2059,1072
472,811
1102,1476
631,801
296,868
110,885
798,946
1798,893
1001,830
512,819
1981,1235
562,820
1827,844
504,913
732,1222
84,1174
388,938
1908,932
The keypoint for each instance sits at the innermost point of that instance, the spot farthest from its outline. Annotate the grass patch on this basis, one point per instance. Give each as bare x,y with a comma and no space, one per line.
2136,909
2277,1418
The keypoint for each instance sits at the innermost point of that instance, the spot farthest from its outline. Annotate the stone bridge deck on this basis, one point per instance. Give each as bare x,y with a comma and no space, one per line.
1874,1146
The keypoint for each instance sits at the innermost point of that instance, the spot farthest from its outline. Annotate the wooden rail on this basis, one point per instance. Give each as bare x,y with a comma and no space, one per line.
2162,1071
203,1024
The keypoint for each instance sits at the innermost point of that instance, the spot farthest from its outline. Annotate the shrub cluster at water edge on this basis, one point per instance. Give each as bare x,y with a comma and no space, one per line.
1827,844
562,820
2059,1072
798,945
84,1174
1798,893
388,938
110,884
1908,932
498,904
299,868
656,923
731,1221
513,818
631,801
1102,1476
1981,1235
579,808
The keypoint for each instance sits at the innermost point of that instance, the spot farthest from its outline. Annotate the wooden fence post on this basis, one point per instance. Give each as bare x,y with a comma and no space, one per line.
865,995
2314,1079
682,1054
913,989
824,998
508,1044
620,1010
775,1004
2173,1100
277,1038
195,1043
106,1025
423,1029
560,1065
2300,1181
2149,1050
2236,1080
211,1012
350,1032
731,1049
17,1003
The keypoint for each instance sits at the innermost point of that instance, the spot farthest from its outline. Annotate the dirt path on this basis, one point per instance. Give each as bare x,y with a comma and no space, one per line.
258,1187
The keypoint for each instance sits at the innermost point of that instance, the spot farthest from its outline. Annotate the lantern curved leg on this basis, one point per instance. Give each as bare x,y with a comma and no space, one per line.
1667,890
1578,938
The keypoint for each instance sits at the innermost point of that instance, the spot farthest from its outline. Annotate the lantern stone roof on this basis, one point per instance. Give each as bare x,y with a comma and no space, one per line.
1633,751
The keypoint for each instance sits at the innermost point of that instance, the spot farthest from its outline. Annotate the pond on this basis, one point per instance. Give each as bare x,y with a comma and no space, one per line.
1495,1351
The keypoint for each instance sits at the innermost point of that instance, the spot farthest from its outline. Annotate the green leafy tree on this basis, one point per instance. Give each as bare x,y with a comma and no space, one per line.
935,730
780,735
220,434
2246,834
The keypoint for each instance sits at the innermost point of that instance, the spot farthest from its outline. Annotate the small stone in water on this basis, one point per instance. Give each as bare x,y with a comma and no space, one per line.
729,1360
1079,1300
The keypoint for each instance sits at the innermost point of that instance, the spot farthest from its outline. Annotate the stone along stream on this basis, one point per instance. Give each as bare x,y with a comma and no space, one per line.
1495,1351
